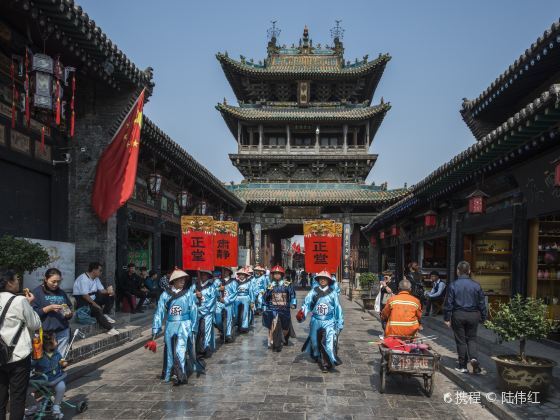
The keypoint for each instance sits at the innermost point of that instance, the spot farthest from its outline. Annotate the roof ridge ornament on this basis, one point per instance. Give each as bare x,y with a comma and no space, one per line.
273,33
337,34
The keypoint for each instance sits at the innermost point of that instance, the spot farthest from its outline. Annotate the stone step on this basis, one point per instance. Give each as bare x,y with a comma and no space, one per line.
122,320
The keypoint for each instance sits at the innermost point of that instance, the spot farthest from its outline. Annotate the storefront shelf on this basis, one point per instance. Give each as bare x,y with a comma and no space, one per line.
492,272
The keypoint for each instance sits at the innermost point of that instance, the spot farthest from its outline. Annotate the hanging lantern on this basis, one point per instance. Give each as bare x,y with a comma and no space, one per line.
394,230
154,184
430,219
184,199
382,235
373,240
477,202
203,207
42,68
557,173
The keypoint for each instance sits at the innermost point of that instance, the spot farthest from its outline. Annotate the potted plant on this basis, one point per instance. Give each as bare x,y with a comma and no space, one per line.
368,282
22,255
522,319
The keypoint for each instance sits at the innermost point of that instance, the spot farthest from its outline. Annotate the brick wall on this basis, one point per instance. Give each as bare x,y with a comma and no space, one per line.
100,111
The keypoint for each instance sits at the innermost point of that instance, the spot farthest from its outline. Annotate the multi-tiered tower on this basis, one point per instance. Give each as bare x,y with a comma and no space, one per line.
304,114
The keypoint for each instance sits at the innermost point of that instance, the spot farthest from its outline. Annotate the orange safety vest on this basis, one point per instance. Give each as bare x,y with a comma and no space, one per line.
402,313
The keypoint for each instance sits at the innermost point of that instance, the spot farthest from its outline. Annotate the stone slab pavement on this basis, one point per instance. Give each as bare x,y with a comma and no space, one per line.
245,380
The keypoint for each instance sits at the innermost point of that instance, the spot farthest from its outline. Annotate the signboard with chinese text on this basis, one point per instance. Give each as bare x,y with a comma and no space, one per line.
225,243
198,242
322,241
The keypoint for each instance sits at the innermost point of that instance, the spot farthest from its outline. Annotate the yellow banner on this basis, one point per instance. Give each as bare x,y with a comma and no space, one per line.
322,228
197,223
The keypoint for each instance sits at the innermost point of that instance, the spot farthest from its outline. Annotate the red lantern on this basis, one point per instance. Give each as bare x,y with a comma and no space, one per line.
430,219
394,230
477,202
373,240
381,235
557,173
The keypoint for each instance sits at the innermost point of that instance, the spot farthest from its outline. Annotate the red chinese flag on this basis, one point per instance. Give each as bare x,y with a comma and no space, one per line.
321,253
198,250
116,169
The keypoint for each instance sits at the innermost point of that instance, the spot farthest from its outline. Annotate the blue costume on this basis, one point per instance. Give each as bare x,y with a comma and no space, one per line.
179,311
261,284
206,339
244,300
278,298
326,323
224,310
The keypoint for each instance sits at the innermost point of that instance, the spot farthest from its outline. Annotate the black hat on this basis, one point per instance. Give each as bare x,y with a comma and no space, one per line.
434,273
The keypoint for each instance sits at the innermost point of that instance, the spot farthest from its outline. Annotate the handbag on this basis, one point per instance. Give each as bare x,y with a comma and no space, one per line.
6,350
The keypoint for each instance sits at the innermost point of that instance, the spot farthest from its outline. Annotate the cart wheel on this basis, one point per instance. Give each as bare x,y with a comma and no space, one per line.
429,385
382,379
81,406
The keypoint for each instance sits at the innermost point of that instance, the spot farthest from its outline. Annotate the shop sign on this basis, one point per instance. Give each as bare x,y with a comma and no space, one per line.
322,243
225,243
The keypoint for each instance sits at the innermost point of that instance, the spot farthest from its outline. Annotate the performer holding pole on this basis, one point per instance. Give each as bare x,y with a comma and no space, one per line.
227,287
178,309
261,284
326,323
244,301
207,297
278,298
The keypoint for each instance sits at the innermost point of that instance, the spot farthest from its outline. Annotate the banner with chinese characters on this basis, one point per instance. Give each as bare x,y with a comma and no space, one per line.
225,243
322,242
198,242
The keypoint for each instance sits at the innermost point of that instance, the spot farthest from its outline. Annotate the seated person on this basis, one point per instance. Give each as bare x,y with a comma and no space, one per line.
437,294
402,312
51,365
152,285
132,285
90,292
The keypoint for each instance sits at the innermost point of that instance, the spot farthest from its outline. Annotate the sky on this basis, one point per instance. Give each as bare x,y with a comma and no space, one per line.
442,51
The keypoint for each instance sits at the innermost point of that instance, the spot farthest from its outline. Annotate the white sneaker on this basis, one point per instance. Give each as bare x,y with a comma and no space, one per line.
113,331
381,336
56,412
109,319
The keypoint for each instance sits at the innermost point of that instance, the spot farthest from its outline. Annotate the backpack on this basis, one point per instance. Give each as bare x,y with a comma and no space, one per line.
6,350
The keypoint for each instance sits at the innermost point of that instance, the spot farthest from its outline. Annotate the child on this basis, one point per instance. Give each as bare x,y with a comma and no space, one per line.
51,365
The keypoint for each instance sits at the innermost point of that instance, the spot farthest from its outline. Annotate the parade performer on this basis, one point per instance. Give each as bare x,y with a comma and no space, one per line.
207,297
261,284
227,287
177,307
278,298
326,323
244,300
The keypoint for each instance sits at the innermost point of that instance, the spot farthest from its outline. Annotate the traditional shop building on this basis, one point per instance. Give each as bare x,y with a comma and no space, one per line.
496,204
65,87
304,126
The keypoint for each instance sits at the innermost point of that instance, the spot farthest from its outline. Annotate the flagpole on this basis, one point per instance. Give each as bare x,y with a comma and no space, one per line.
128,113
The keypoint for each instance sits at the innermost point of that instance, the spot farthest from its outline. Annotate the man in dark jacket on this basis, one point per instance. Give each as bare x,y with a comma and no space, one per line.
465,307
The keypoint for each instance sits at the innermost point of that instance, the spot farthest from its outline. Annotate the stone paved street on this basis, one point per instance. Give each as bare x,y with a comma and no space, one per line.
245,380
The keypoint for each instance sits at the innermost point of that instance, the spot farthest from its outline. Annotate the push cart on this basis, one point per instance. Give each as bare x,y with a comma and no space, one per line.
423,364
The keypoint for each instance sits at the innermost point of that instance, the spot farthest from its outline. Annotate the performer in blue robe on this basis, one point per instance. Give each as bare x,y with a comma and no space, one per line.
177,308
327,322
261,284
224,315
278,298
207,297
244,300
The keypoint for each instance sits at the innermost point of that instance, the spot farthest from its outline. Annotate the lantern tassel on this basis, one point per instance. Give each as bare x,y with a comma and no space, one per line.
72,116
57,103
14,94
43,139
27,104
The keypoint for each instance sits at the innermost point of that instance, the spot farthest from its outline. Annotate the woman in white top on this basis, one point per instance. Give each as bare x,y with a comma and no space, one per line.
14,376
